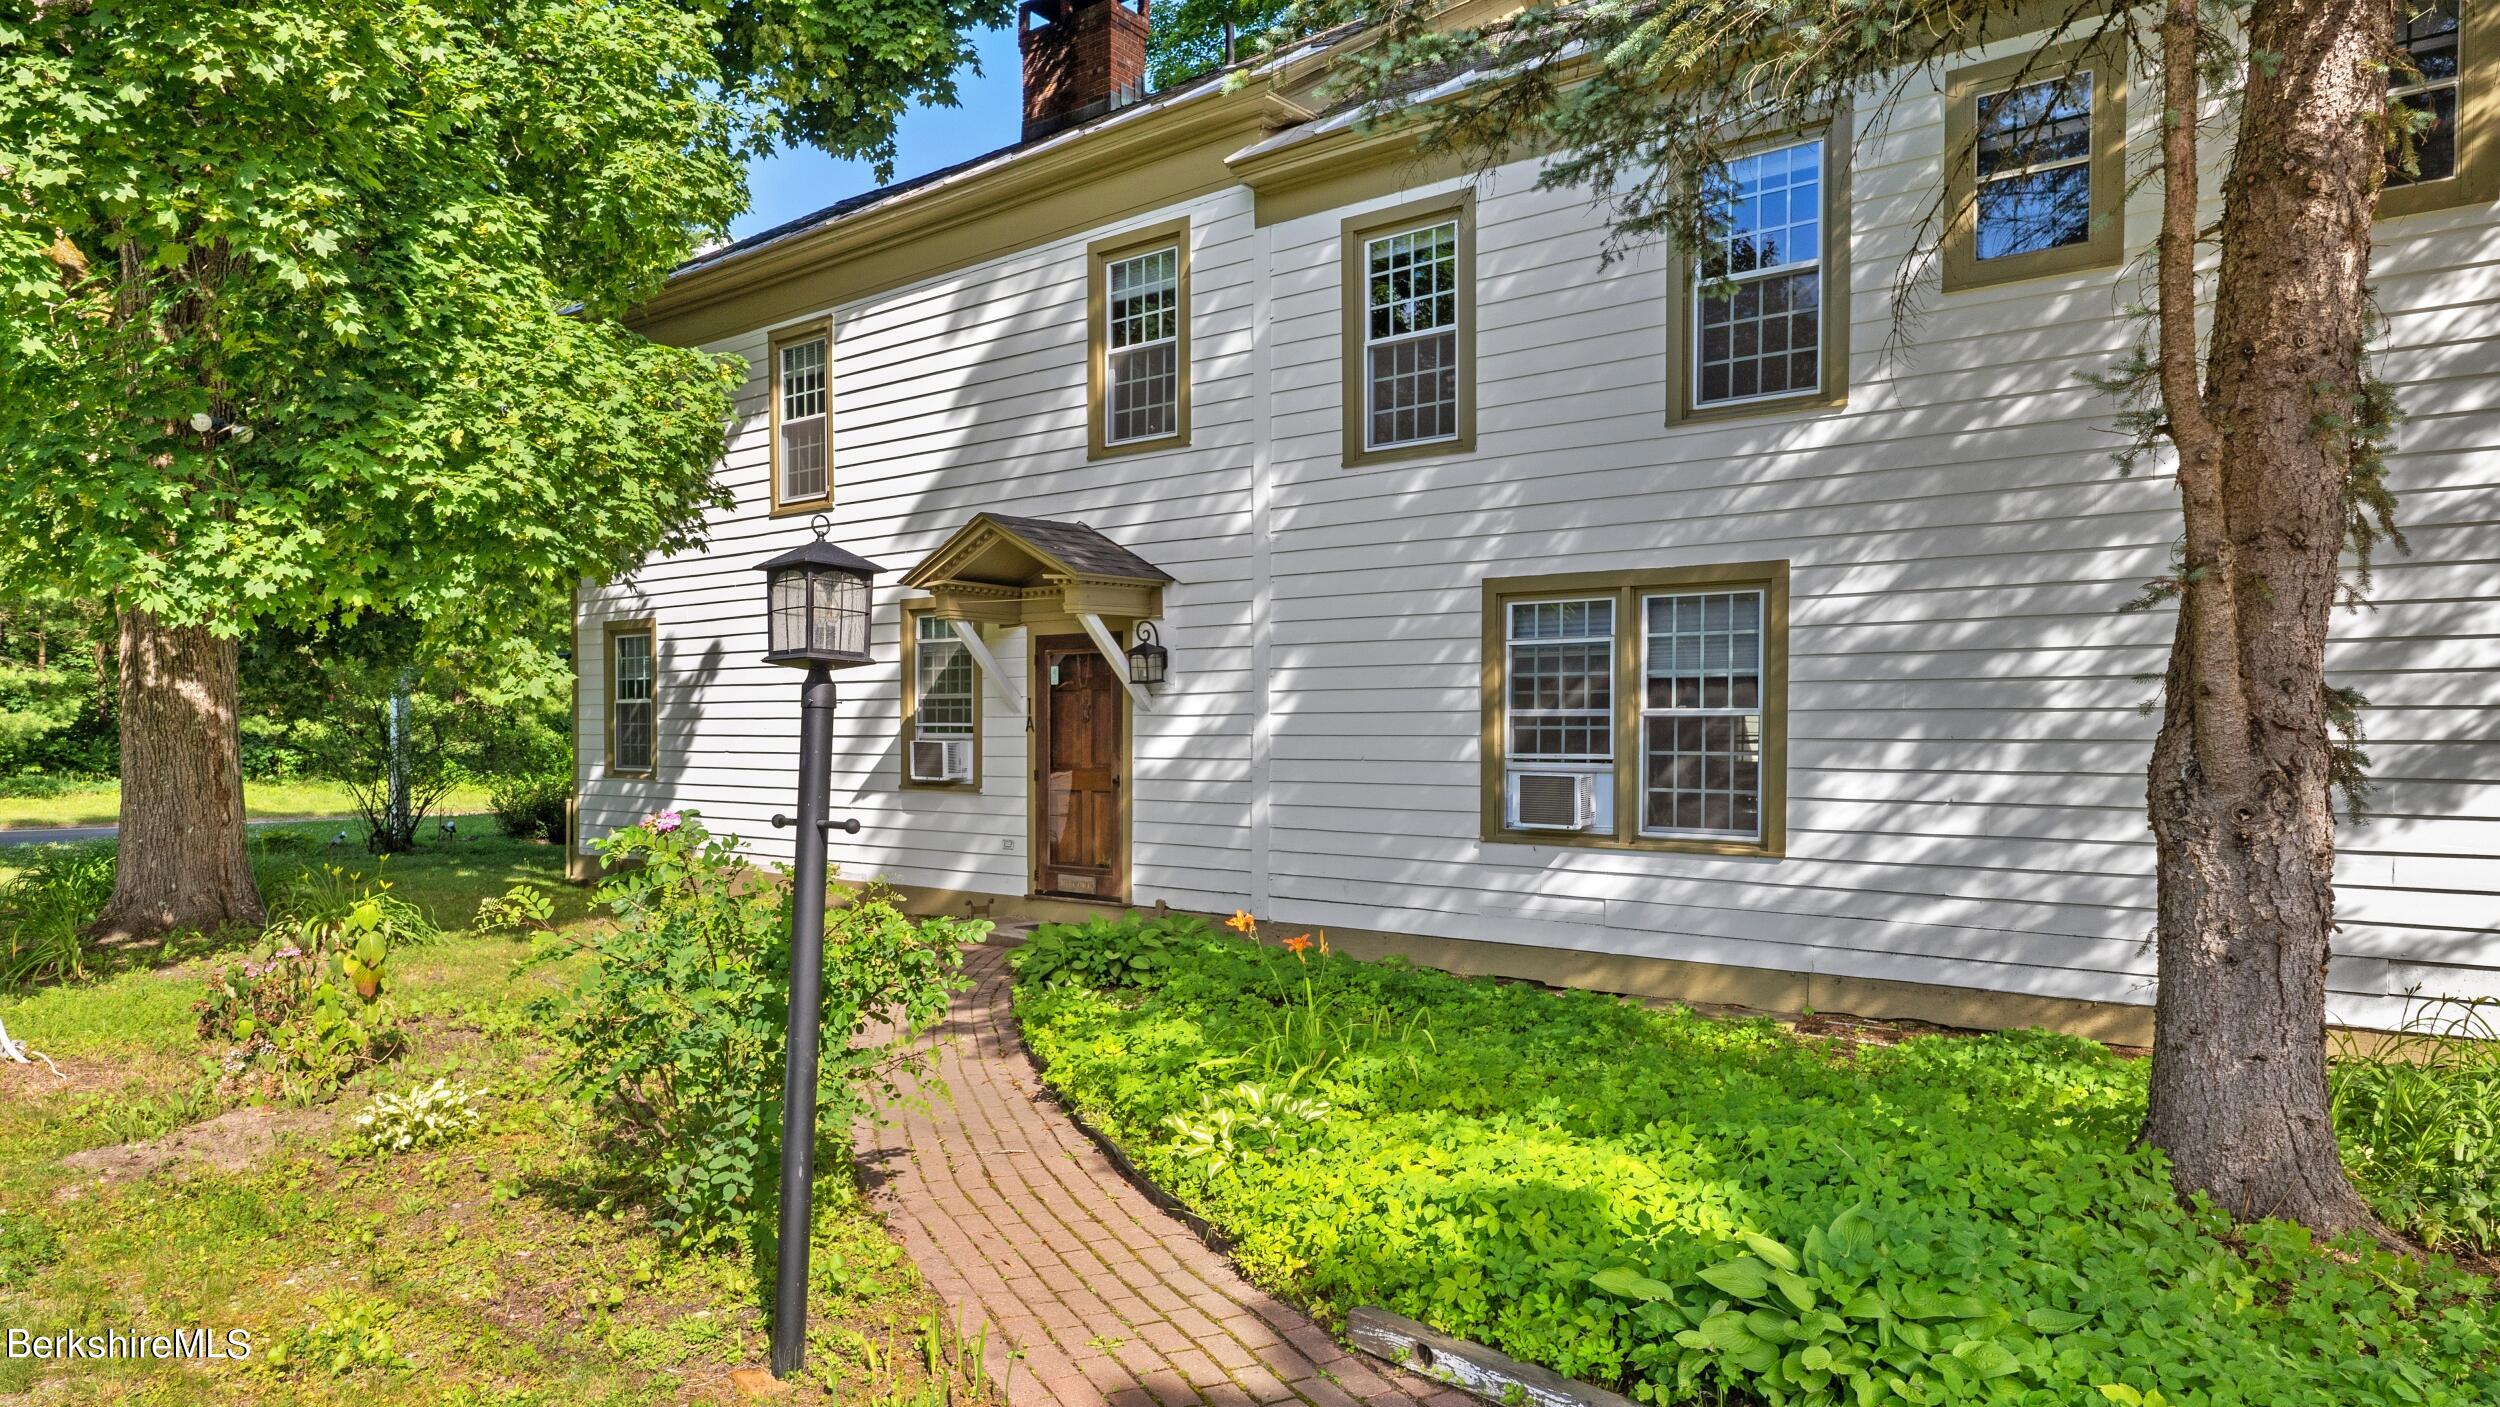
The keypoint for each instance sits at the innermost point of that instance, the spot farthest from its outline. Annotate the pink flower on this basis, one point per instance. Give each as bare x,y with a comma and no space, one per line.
665,822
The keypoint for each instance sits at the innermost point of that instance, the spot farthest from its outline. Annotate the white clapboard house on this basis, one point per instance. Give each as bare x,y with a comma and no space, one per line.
1532,614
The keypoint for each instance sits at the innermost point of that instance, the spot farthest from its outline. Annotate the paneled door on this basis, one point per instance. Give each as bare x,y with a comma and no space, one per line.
1079,815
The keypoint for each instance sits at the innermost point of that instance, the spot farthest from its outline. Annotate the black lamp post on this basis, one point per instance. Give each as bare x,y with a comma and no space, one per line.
816,611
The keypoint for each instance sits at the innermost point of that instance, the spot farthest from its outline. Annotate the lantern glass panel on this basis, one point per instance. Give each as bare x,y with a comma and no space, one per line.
841,614
789,611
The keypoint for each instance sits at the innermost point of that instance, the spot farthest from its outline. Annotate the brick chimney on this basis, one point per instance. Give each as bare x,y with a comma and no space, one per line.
1082,58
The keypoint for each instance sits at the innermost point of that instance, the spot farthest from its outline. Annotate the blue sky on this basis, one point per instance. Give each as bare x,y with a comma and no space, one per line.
793,183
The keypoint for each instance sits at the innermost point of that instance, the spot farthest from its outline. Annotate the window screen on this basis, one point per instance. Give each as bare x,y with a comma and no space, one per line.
803,420
2428,36
1143,341
1758,330
1410,336
633,700
945,685
1561,682
1701,714
2035,167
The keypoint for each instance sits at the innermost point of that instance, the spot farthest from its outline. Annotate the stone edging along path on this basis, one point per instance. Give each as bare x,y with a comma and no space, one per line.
1020,1222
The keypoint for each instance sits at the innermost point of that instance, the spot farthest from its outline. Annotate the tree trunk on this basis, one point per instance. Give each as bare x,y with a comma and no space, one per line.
181,865
2240,782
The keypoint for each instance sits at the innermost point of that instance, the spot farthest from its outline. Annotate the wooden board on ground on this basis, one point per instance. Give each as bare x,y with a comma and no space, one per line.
1497,1377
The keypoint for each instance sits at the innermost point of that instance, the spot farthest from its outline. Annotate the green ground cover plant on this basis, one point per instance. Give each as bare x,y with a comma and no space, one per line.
1694,1210
499,1259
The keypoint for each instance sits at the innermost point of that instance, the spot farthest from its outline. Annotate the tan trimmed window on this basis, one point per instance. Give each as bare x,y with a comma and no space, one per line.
802,395
941,705
1137,309
2037,151
2450,53
1638,709
1761,319
1410,330
633,698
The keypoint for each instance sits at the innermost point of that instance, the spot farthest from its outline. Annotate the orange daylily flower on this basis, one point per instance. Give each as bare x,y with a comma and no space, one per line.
1242,923
1323,942
1297,945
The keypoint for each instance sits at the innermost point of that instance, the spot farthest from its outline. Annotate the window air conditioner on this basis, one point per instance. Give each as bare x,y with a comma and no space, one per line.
941,760
1553,801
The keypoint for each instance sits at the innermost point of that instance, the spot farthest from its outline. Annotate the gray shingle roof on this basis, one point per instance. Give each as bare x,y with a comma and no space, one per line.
1082,548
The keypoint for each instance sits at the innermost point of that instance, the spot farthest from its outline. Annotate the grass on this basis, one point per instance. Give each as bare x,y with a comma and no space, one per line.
1691,1210
507,1267
100,804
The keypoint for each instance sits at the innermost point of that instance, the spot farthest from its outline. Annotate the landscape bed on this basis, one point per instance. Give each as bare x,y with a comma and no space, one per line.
503,1261
1691,1210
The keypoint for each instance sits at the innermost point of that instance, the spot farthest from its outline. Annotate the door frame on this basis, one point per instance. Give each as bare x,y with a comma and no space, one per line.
1055,632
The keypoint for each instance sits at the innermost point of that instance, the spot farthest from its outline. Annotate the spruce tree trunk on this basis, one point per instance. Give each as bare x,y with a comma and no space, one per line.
181,865
2240,785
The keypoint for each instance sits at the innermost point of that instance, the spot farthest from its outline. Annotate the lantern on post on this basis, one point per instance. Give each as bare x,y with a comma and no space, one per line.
816,605
816,617
1147,658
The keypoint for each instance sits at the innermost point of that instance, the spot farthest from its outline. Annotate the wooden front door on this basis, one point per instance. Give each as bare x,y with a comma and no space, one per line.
1078,710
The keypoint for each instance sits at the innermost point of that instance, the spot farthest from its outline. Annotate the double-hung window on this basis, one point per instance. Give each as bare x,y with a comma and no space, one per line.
2449,152
2035,167
1701,713
1559,715
1137,307
2035,152
1409,332
1410,336
802,451
2430,38
633,698
1639,709
941,705
1761,317
1759,327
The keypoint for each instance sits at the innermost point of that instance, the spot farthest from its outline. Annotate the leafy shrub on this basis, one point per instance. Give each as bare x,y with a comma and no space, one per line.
1691,1210
531,805
524,908
50,783
1108,952
676,1034
308,1006
324,900
429,1114
2420,1128
58,890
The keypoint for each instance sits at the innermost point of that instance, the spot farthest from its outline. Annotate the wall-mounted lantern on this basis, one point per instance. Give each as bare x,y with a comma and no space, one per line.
1147,659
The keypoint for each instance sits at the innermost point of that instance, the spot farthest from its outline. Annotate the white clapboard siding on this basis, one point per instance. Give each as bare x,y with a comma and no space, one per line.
1967,736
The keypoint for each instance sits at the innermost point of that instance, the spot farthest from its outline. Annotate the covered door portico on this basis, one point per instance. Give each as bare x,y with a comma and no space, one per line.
1077,596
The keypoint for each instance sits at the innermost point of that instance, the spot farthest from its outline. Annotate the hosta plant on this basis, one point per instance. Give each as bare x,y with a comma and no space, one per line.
1249,1118
429,1114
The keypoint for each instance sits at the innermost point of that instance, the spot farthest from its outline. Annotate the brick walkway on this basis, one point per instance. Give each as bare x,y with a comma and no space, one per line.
1019,1222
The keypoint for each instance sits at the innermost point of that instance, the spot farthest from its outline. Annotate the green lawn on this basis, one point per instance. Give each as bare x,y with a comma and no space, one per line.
507,1267
101,805
1700,1211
